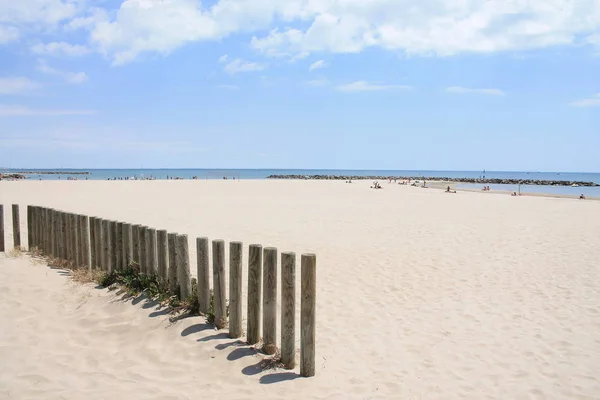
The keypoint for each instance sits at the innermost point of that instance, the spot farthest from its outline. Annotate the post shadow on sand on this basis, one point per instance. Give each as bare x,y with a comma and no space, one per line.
241,352
222,335
195,329
278,377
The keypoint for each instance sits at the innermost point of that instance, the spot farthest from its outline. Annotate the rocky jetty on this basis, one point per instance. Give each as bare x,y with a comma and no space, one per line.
55,172
437,178
13,176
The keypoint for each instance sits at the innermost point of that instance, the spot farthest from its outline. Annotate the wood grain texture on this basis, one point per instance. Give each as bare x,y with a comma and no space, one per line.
106,235
135,238
29,230
120,246
203,273
270,300
218,254
183,266
173,284
254,292
75,240
85,237
162,253
127,245
97,263
152,252
144,234
235,289
16,218
92,220
288,310
308,314
2,246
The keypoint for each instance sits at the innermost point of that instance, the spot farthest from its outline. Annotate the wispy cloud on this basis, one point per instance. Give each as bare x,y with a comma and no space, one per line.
17,85
239,65
318,82
60,48
317,65
74,78
464,90
228,87
24,111
8,34
363,86
223,58
593,101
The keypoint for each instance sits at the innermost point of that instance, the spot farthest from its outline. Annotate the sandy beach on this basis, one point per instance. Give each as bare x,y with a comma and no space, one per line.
420,295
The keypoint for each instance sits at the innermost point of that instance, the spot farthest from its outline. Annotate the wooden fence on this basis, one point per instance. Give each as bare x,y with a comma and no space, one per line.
106,245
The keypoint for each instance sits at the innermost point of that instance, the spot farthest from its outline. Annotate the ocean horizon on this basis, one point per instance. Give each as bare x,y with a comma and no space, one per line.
245,173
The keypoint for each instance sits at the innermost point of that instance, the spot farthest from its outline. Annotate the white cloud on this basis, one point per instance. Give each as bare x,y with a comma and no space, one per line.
318,82
317,65
24,111
491,92
57,48
223,58
239,65
593,101
228,87
8,34
74,78
17,85
363,86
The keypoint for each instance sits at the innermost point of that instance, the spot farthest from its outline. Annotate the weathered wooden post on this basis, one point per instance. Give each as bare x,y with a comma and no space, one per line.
2,248
16,226
29,231
135,235
270,300
235,289
162,253
54,228
288,310
120,246
173,285
68,247
219,285
254,292
152,252
75,240
127,245
114,236
183,266
92,220
203,272
308,314
106,236
97,228
144,238
85,237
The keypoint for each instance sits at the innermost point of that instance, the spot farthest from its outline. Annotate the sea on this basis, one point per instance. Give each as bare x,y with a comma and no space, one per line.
105,174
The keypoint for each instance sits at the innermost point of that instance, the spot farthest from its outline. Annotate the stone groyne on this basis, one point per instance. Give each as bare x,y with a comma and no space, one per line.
54,172
437,178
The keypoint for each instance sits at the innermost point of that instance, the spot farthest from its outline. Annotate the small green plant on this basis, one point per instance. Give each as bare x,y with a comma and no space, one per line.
210,316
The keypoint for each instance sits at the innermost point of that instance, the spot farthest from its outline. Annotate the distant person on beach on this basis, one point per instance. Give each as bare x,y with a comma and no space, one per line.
581,197
450,191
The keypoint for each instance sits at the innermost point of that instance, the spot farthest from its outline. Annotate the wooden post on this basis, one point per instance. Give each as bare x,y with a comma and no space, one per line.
203,272
107,251
68,247
54,232
46,228
97,264
2,249
92,242
270,300
307,314
127,245
162,253
152,252
183,266
144,236
118,245
235,289
80,240
114,251
16,226
135,238
254,292
173,285
219,286
75,240
85,237
29,246
288,310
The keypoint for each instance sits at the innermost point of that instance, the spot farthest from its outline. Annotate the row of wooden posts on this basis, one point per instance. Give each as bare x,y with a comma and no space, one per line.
96,243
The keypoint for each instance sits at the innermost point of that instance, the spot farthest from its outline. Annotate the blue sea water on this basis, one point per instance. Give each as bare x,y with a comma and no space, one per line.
104,174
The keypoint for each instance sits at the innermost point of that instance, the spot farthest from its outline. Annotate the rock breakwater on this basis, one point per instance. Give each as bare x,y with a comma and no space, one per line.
437,178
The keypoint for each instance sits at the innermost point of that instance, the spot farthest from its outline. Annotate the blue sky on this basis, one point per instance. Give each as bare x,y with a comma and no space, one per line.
381,84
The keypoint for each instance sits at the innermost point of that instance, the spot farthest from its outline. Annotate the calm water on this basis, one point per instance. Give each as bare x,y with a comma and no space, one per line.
103,174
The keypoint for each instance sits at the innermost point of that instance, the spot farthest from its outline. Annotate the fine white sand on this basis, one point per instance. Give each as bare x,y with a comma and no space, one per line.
420,295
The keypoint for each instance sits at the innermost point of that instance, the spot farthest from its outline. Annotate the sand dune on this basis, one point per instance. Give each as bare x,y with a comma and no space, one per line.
420,295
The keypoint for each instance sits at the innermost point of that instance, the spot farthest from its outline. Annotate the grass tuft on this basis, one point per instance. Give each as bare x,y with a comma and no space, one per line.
16,252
